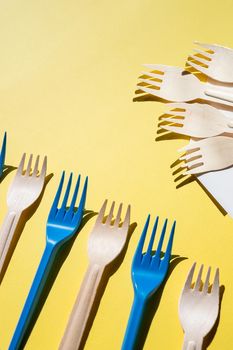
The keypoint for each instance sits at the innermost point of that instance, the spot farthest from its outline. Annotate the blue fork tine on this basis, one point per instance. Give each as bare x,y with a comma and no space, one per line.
56,237
165,261
54,208
3,154
156,257
148,272
138,253
79,213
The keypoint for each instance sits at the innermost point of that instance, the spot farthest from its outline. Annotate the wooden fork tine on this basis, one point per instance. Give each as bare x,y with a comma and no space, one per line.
35,171
188,282
110,215
199,59
198,280
211,47
126,221
198,67
28,170
215,287
204,53
21,165
153,75
206,284
118,216
100,216
44,168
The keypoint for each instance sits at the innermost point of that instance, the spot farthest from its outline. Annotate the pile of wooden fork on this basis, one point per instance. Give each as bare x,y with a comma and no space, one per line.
202,105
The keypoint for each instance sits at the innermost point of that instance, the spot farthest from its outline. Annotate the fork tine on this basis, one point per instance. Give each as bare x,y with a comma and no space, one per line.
126,221
73,201
44,168
166,258
70,212
35,171
100,216
118,216
176,113
53,209
206,46
110,215
67,192
188,282
189,148
196,170
204,53
152,238
21,165
158,67
206,284
160,244
173,128
198,67
215,287
150,82
79,213
199,59
156,257
153,75
188,156
172,120
193,165
149,90
198,281
28,170
3,153
138,253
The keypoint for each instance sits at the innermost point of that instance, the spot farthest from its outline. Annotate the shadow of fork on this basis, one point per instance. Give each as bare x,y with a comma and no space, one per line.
7,170
209,338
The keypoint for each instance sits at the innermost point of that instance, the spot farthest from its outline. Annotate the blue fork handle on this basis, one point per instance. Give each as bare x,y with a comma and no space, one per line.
33,295
134,324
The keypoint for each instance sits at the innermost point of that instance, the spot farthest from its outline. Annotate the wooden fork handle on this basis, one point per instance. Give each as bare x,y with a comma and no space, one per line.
190,344
220,94
7,232
82,308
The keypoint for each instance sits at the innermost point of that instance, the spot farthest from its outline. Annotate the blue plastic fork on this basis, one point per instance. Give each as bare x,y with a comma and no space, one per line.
62,224
3,155
148,272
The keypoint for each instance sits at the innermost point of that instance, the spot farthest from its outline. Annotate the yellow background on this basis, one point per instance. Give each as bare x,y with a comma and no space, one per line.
68,71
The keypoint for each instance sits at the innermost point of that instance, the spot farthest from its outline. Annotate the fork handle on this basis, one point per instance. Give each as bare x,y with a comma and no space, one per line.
33,296
190,343
219,93
137,312
82,308
6,238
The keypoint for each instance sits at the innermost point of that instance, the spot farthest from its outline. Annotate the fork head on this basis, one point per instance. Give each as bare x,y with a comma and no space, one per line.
199,305
3,154
27,185
170,83
108,236
196,120
63,222
214,61
149,269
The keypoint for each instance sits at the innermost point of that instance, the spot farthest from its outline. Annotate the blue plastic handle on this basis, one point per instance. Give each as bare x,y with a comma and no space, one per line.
134,323
34,295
